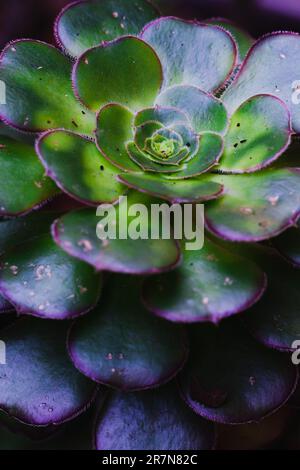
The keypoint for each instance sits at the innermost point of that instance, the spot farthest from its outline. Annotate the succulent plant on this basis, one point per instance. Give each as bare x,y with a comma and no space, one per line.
158,109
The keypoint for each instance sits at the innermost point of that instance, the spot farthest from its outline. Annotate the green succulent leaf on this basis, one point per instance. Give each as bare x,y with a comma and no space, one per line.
76,234
126,71
259,133
41,279
272,66
180,45
92,178
170,424
168,116
232,379
243,39
114,345
148,164
192,190
210,284
206,112
39,384
39,93
255,207
23,184
83,25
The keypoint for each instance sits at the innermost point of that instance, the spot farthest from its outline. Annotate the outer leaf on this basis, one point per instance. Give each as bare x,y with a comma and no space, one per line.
201,189
271,66
152,420
38,384
92,179
255,207
126,71
232,379
82,25
23,184
288,244
114,346
39,94
76,234
182,48
259,133
40,279
206,112
209,285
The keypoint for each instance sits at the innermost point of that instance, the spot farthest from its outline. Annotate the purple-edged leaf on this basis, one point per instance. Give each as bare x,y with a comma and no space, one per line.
92,179
243,39
83,25
274,320
210,284
39,385
114,130
39,93
5,306
271,66
151,420
192,53
126,71
76,234
288,244
206,112
259,133
255,207
23,184
208,155
115,344
166,115
200,189
40,279
232,379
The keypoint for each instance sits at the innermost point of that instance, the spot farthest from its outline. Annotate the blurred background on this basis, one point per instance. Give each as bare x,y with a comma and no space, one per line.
34,18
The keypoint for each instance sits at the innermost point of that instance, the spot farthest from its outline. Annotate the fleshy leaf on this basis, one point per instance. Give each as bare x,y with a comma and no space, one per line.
288,244
78,167
39,93
271,66
243,39
83,25
170,424
126,71
232,379
40,279
147,164
39,385
201,189
76,234
259,133
182,48
206,112
114,345
166,115
255,207
210,284
114,130
23,184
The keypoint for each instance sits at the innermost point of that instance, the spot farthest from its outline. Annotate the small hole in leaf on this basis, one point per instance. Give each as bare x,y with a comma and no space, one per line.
188,144
102,168
74,123
235,145
117,149
83,112
243,141
238,125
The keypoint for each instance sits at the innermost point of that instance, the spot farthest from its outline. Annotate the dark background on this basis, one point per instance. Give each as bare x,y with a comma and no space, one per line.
34,18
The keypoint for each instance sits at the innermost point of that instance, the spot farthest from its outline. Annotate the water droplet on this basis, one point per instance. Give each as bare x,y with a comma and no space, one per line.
282,56
14,270
205,300
109,356
115,14
273,200
228,281
50,410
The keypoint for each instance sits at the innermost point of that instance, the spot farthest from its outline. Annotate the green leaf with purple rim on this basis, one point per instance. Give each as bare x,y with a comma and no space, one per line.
255,207
151,420
206,112
39,385
92,178
232,379
259,133
114,345
83,25
76,234
165,115
40,279
39,93
180,46
23,184
272,67
126,71
210,284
